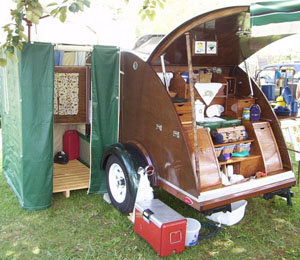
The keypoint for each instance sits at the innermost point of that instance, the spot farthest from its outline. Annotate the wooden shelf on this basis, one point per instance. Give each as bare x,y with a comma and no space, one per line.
239,159
239,142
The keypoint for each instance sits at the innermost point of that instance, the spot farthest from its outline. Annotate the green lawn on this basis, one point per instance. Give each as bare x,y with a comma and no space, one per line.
85,227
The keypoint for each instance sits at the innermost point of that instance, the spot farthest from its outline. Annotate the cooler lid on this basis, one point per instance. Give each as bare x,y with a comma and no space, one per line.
162,213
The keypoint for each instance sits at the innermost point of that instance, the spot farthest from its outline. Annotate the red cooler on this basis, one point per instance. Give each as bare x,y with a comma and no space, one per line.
162,227
71,144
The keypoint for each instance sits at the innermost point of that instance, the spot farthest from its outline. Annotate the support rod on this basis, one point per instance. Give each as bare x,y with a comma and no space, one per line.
191,84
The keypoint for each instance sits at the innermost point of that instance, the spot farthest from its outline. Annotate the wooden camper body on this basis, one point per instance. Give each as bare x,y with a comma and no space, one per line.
163,130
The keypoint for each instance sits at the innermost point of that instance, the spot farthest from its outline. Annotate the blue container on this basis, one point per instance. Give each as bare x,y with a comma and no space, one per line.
269,91
294,107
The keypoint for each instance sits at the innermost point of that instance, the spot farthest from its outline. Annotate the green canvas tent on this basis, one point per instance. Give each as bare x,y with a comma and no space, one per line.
27,120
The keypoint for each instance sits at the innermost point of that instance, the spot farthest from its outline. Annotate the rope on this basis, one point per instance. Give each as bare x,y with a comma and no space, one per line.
208,230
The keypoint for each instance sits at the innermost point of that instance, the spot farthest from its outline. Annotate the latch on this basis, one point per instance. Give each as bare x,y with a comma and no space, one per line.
159,127
176,134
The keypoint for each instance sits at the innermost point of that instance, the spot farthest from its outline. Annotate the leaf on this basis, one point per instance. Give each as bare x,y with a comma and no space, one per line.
143,16
74,8
35,19
54,12
63,15
87,3
29,15
51,4
10,49
16,40
3,62
80,4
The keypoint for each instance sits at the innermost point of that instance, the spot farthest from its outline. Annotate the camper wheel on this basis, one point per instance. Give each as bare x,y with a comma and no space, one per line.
117,182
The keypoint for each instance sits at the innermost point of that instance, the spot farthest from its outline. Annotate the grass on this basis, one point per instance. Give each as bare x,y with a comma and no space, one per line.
85,227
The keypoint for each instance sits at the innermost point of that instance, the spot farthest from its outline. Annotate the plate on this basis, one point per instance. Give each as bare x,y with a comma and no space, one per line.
214,110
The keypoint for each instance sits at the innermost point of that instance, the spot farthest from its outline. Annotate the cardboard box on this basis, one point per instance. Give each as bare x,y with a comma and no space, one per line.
162,227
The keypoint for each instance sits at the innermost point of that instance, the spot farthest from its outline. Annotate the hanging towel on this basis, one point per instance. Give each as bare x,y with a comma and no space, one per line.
80,58
208,91
59,56
69,58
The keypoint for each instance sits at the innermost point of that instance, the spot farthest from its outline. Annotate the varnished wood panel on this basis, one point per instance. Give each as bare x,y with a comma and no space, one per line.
268,146
267,113
81,117
145,106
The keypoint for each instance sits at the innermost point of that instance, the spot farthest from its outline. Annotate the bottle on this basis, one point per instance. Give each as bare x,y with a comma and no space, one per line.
199,109
246,113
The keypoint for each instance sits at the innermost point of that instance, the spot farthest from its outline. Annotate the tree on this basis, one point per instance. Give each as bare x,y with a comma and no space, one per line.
31,11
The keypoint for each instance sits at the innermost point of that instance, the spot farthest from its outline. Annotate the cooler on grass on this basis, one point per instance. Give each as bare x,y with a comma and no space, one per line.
162,227
71,144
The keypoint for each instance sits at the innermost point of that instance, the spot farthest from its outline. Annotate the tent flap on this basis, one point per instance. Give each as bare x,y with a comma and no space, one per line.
27,98
105,110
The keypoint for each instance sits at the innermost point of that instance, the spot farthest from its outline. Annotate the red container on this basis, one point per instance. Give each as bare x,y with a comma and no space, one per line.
162,227
71,144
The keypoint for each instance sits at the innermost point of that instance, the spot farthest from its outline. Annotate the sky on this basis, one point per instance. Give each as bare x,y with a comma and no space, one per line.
112,22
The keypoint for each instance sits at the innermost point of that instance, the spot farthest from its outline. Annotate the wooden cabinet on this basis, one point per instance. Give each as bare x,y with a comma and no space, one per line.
235,106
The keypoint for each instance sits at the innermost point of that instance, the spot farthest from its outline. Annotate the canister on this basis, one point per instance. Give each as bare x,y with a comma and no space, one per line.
246,113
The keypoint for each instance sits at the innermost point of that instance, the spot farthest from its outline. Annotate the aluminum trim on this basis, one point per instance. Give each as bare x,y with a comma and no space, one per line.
230,190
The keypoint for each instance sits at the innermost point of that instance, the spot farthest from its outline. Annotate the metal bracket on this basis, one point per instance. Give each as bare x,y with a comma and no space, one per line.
159,127
224,209
176,134
285,193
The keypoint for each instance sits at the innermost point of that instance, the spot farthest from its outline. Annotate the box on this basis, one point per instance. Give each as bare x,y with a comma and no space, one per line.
162,227
234,106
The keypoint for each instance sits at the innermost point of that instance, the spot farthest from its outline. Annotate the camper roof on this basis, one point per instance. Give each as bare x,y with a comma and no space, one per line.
228,27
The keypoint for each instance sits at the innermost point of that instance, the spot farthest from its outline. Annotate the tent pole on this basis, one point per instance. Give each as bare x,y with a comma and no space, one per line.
191,84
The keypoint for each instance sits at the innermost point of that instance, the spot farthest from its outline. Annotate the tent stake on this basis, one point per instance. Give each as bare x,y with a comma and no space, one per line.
191,84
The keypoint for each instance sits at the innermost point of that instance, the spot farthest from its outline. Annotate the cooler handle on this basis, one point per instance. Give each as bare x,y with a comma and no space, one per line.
147,214
175,237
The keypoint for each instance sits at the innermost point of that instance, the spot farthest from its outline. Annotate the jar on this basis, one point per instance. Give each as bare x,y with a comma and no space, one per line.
246,113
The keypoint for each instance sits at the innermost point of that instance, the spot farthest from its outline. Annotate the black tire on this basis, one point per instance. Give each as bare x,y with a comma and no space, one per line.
120,194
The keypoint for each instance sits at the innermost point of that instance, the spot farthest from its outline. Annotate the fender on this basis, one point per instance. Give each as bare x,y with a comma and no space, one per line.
132,159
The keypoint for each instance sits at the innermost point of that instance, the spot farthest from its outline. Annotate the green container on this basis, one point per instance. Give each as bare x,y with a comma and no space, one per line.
230,121
211,125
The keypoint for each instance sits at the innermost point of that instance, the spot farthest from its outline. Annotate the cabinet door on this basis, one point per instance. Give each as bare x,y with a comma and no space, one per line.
268,146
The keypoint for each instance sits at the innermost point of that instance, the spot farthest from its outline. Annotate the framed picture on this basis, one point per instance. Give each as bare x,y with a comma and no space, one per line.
211,47
200,47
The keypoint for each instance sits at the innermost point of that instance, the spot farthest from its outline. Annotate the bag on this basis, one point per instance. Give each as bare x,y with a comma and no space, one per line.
61,158
229,134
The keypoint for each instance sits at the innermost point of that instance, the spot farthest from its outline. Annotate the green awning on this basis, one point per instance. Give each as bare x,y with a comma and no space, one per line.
263,13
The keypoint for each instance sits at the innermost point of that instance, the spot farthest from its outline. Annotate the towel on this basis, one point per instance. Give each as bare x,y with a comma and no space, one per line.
208,91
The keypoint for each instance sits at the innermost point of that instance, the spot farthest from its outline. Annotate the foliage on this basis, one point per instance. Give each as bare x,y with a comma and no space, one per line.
148,9
32,11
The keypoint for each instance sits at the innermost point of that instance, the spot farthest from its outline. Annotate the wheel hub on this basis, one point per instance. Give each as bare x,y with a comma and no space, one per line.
117,183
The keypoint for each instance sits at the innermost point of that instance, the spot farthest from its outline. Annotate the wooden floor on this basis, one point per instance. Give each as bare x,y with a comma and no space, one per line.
71,176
